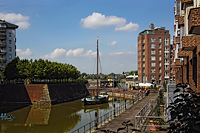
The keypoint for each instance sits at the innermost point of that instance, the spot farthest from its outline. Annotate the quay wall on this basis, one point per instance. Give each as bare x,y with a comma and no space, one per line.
41,94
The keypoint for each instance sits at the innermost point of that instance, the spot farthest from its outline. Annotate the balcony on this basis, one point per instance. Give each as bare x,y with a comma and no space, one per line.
167,63
189,43
166,76
2,29
180,21
174,28
185,2
194,21
183,54
3,37
2,52
166,51
176,17
3,60
3,45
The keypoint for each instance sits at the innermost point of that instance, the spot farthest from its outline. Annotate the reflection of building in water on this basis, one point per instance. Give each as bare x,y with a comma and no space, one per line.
39,115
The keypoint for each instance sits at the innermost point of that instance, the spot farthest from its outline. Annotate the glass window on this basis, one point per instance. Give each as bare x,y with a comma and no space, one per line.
166,41
160,39
143,70
153,64
166,48
153,46
159,64
143,58
9,34
143,40
153,76
159,70
153,39
143,65
143,46
159,57
153,51
153,70
160,46
159,51
153,58
9,48
143,52
9,41
9,56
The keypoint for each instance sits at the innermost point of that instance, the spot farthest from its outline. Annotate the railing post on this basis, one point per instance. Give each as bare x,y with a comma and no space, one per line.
96,126
125,103
114,109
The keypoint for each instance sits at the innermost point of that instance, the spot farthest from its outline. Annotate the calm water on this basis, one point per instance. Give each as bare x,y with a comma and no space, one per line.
61,118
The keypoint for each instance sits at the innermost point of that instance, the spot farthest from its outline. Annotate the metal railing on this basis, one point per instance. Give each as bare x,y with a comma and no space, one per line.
142,117
100,121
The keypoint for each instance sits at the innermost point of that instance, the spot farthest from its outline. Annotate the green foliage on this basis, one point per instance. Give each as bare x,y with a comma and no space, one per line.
39,69
132,72
184,111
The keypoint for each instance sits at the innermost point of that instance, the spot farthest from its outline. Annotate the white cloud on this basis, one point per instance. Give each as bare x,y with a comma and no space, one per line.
98,20
57,53
22,53
129,27
113,43
75,53
17,19
121,53
90,53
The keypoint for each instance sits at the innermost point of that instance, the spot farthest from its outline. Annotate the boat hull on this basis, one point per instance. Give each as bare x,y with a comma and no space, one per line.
94,101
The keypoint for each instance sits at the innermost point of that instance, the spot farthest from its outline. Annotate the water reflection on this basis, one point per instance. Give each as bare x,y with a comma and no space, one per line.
60,118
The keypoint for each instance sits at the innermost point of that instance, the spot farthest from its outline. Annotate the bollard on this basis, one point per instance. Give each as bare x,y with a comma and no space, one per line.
96,126
114,109
125,102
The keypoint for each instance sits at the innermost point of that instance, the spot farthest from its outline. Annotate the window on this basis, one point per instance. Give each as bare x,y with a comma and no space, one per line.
160,46
143,58
153,70
153,76
143,52
153,46
159,64
166,67
143,70
166,60
10,56
9,48
166,73
153,64
153,39
143,46
160,39
159,51
159,57
159,70
9,41
153,51
178,32
159,77
166,41
9,34
166,48
143,65
167,55
171,70
153,58
143,40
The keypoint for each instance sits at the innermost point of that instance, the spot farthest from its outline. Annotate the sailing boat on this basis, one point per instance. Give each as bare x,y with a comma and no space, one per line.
98,99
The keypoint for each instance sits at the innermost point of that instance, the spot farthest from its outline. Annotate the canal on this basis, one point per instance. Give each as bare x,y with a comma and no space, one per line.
60,118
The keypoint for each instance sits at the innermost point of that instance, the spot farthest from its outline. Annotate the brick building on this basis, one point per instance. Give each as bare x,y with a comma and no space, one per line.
186,65
154,52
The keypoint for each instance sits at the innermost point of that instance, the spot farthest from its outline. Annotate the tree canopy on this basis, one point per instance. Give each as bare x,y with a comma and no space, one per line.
38,69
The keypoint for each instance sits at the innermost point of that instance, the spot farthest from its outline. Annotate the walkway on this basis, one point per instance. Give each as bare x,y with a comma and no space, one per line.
129,114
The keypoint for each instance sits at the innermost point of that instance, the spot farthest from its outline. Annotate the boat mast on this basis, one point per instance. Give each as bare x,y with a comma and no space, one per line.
97,69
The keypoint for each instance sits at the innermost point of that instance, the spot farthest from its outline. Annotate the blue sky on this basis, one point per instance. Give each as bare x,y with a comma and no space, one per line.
66,30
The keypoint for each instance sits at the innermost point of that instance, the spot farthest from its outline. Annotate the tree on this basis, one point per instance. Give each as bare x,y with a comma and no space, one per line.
10,72
133,72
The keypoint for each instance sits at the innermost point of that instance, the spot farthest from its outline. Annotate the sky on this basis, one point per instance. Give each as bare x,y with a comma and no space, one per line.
66,31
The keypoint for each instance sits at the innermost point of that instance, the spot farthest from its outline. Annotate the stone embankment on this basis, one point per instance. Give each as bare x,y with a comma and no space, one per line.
41,94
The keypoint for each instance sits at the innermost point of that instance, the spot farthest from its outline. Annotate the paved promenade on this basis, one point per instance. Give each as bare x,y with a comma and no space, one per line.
129,114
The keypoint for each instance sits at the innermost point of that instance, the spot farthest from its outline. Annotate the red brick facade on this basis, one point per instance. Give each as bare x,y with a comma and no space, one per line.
194,20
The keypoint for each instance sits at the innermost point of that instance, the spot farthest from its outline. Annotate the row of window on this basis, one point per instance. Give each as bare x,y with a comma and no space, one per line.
153,39
154,46
153,70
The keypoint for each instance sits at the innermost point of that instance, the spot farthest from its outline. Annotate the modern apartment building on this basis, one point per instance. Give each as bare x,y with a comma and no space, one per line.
186,65
154,55
7,43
